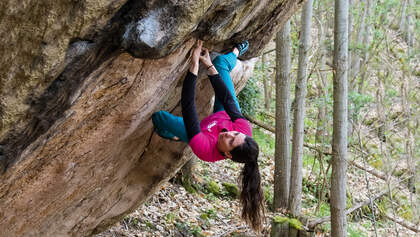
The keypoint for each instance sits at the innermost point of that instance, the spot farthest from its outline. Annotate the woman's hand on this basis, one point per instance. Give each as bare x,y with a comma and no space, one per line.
205,57
206,60
197,51
195,58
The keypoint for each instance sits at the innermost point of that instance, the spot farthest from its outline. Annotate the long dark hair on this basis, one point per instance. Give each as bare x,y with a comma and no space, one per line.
251,197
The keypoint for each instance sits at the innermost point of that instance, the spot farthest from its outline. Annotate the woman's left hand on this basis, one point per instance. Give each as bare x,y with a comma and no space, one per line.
196,53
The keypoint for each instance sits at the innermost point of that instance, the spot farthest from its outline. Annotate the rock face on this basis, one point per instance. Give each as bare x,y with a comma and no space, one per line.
79,83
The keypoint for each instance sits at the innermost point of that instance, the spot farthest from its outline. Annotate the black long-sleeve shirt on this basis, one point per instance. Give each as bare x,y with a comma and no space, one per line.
189,112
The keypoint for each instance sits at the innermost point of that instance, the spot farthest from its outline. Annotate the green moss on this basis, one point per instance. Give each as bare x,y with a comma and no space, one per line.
280,219
376,162
293,222
349,200
213,187
187,185
417,73
405,212
399,172
231,189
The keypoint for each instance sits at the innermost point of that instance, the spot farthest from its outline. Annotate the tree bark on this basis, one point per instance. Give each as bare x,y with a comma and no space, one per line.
266,83
339,143
410,25
295,196
365,54
282,150
321,132
356,57
350,38
403,16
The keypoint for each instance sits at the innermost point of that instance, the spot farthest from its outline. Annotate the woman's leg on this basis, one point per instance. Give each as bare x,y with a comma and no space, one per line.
169,126
224,64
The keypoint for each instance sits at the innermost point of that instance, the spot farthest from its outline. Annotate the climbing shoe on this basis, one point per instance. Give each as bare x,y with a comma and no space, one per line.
242,47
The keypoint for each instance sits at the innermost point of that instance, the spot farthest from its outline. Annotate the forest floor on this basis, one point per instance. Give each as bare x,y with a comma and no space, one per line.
173,211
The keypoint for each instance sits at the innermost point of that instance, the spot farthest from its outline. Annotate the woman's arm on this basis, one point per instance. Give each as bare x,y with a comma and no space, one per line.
220,89
225,97
189,113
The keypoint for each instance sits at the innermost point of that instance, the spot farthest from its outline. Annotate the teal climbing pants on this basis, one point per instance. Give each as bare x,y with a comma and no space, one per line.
168,125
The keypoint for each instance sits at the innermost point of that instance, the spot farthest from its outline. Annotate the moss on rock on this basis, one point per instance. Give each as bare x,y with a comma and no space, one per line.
293,222
213,187
231,189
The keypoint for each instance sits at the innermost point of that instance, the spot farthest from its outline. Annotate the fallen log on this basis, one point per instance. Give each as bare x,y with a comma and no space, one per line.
403,222
311,224
273,130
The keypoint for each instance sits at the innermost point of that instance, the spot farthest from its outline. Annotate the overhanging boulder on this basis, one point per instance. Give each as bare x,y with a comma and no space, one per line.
79,83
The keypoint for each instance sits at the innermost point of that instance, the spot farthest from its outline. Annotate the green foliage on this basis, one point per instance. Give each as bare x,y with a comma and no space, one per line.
150,225
358,102
231,189
405,212
208,214
354,232
324,210
265,140
376,162
187,229
249,97
170,218
268,196
133,222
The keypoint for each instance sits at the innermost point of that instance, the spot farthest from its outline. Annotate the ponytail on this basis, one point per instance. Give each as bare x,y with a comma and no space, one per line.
251,193
252,196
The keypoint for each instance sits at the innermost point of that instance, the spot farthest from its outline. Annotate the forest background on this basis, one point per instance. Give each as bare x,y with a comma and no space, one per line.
383,130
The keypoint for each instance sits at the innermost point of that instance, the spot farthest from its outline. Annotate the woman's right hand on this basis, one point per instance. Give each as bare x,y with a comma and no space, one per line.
205,57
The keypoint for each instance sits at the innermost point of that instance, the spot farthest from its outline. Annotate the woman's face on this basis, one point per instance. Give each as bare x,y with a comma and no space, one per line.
229,140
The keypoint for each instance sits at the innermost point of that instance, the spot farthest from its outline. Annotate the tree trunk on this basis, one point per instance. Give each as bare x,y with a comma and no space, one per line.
295,197
339,144
321,132
367,39
282,150
409,153
410,24
403,16
350,29
356,57
266,80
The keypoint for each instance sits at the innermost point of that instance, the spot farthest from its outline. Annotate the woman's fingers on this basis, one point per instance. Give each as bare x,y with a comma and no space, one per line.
206,51
199,43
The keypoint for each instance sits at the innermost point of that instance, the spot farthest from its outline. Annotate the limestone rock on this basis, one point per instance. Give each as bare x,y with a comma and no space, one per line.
79,83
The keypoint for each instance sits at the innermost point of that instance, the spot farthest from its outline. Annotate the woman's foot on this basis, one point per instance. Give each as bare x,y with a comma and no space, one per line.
241,48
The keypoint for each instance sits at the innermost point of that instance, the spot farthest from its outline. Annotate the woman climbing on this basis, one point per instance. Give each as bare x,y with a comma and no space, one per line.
225,134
